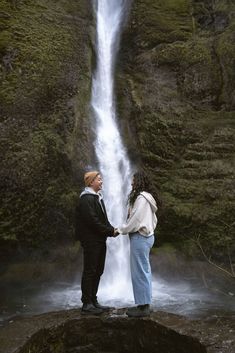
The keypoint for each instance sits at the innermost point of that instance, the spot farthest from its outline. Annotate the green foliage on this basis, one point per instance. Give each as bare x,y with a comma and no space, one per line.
34,47
176,90
182,96
44,71
172,21
41,197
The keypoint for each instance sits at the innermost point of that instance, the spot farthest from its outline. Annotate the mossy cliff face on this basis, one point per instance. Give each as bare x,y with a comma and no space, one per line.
176,87
45,70
175,84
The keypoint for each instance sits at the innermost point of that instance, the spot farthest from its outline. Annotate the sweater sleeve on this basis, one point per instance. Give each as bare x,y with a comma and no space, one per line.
133,223
92,220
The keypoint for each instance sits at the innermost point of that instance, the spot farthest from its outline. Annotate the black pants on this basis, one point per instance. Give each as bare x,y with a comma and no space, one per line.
93,267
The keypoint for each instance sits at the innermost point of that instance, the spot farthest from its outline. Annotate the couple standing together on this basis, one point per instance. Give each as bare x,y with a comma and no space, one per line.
93,228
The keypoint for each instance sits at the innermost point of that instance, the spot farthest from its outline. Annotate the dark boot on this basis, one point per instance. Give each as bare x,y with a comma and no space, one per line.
139,311
102,307
90,309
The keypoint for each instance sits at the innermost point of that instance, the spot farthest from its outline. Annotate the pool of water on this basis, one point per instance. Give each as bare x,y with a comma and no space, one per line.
182,298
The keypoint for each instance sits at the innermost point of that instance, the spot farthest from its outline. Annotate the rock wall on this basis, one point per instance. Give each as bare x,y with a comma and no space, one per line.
67,331
175,88
177,101
45,70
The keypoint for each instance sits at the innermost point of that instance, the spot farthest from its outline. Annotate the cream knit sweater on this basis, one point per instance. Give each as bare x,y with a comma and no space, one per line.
142,217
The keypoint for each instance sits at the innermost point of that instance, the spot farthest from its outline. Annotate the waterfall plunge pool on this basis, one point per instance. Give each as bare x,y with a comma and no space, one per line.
184,298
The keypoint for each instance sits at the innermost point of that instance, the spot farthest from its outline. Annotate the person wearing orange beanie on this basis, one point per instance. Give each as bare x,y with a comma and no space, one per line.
92,229
89,177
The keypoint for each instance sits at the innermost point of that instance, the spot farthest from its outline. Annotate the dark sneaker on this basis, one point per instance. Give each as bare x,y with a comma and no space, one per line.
90,309
139,311
102,307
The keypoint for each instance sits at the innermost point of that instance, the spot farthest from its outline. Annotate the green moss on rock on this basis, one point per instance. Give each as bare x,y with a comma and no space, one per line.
180,97
45,71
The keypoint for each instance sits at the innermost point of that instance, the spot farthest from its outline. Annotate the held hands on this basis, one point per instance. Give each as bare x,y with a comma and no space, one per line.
116,232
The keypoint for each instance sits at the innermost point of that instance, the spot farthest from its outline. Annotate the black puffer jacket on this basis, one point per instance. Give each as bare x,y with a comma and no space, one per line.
92,223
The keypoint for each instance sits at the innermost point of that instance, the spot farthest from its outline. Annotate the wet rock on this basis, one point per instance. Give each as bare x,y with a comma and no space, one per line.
176,102
176,87
112,335
45,74
68,332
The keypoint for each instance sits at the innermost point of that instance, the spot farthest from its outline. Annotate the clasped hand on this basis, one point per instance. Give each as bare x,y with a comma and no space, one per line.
116,232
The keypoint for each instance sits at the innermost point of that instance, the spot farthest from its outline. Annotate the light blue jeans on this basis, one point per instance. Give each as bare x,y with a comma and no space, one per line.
141,275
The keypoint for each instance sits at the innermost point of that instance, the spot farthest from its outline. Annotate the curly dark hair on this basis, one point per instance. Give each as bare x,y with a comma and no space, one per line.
141,182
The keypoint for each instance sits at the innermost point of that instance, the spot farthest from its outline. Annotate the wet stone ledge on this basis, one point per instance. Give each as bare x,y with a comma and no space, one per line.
100,335
69,332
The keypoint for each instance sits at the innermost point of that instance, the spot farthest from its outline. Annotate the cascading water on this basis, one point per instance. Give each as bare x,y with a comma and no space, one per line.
111,154
185,296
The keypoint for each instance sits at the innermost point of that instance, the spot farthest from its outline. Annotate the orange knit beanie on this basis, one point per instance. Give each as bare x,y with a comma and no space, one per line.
89,177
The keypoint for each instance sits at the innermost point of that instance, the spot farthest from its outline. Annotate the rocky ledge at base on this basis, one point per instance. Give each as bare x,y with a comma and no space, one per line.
69,332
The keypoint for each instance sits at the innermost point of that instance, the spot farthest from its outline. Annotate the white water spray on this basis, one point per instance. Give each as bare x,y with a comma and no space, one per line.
111,154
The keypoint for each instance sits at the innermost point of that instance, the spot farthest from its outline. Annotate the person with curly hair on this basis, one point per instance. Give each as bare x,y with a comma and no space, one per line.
140,226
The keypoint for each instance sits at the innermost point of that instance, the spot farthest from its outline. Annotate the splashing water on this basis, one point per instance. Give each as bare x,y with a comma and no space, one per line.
181,297
111,154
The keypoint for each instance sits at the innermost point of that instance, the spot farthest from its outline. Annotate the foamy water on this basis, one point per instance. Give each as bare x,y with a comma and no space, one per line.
180,298
111,153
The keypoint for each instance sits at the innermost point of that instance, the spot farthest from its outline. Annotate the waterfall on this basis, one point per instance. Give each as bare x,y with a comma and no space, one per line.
111,154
